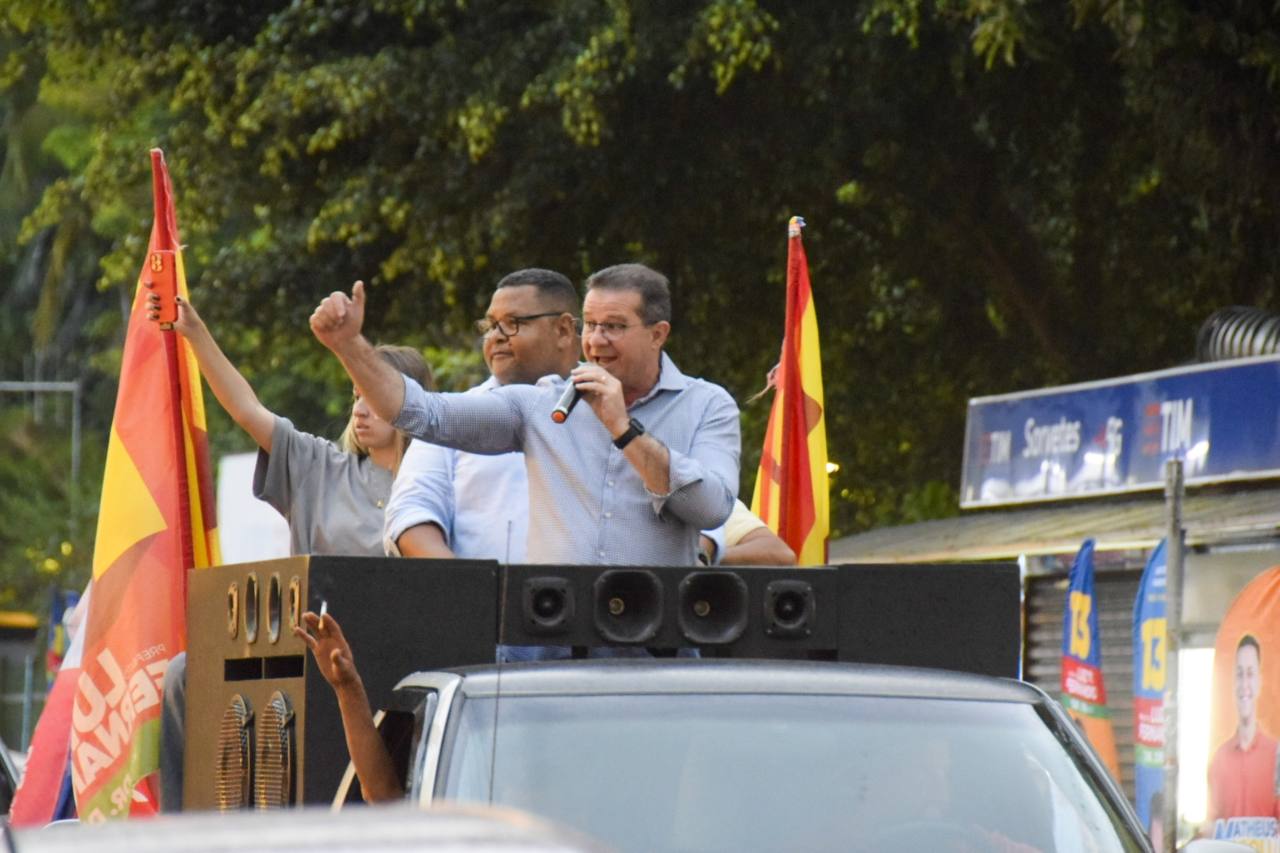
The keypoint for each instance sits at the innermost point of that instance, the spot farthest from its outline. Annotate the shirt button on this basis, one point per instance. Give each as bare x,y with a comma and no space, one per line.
611,484
600,553
608,515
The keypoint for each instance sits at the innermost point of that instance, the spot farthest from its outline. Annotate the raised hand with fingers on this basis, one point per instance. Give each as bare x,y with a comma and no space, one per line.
377,774
227,383
188,322
338,318
332,652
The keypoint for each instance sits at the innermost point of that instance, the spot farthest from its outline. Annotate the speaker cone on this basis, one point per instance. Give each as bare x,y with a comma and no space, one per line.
713,607
233,775
548,605
789,608
628,605
274,768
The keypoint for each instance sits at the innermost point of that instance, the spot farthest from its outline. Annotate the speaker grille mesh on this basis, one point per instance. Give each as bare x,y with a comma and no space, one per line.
274,767
234,782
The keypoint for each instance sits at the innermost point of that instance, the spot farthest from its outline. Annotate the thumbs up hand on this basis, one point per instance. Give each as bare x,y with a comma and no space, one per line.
339,318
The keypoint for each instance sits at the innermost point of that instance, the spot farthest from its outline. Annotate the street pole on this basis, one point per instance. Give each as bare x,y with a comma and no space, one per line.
28,691
1174,490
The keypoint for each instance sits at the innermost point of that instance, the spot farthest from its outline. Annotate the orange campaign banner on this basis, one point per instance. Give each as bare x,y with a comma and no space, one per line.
1084,691
791,492
155,521
1244,800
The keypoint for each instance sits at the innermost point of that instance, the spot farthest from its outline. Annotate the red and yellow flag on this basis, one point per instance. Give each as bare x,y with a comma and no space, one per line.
156,520
791,493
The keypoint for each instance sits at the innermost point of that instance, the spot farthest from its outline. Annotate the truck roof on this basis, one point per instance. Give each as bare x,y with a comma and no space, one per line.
701,676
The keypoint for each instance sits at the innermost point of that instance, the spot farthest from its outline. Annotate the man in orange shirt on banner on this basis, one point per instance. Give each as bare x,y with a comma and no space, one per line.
1243,772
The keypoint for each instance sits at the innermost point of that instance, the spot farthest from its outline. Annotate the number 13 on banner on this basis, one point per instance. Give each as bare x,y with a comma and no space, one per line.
1153,652
1081,607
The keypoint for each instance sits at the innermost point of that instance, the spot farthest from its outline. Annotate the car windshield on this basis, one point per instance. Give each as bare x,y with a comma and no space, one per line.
704,773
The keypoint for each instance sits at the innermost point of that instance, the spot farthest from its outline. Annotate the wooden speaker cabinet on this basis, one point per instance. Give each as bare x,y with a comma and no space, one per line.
263,728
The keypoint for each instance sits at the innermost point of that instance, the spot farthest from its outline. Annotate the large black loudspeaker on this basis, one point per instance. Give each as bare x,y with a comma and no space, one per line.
263,728
746,612
965,617
946,616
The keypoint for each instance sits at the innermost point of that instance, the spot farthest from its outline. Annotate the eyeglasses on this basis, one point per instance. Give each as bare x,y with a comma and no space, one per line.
611,331
510,327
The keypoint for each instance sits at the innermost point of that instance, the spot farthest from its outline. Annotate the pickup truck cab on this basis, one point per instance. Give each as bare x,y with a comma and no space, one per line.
728,755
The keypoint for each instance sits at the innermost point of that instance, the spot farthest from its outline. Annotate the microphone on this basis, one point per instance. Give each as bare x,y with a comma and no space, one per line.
565,404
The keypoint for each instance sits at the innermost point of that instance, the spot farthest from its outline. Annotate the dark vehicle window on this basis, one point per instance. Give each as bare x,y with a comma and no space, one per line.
727,773
8,785
396,730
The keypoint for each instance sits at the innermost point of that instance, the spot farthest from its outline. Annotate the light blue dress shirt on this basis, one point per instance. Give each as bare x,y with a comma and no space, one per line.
479,502
587,504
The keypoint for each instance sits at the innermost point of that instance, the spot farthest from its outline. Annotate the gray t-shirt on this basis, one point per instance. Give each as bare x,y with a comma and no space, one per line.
333,500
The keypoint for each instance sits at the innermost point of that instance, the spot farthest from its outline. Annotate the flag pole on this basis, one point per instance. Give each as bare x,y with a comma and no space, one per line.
791,493
1174,491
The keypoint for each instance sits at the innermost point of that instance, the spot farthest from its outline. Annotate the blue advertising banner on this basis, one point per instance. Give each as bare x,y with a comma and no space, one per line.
1149,633
1222,419
64,601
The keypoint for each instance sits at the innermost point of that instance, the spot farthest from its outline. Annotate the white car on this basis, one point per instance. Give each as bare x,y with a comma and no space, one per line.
387,829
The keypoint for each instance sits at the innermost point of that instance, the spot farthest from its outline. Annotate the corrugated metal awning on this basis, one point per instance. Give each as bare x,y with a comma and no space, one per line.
1133,523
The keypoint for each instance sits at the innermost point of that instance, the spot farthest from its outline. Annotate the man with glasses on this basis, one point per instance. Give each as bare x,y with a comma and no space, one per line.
631,477
448,503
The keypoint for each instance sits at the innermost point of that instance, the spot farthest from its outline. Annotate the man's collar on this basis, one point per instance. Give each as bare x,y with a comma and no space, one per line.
552,378
669,379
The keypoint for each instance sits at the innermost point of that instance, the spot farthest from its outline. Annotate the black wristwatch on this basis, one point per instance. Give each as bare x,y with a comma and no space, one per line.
634,431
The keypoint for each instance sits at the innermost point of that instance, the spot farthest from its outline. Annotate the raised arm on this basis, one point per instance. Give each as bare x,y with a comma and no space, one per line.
232,389
479,423
337,323
373,764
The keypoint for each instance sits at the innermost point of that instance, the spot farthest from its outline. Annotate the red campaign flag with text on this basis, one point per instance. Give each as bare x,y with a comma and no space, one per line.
156,520
40,795
791,492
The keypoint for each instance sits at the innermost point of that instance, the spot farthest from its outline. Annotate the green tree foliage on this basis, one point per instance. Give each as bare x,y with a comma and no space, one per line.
1000,195
53,322
47,517
49,259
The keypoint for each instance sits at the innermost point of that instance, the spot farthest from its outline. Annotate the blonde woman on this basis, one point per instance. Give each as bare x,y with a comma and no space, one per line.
332,494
